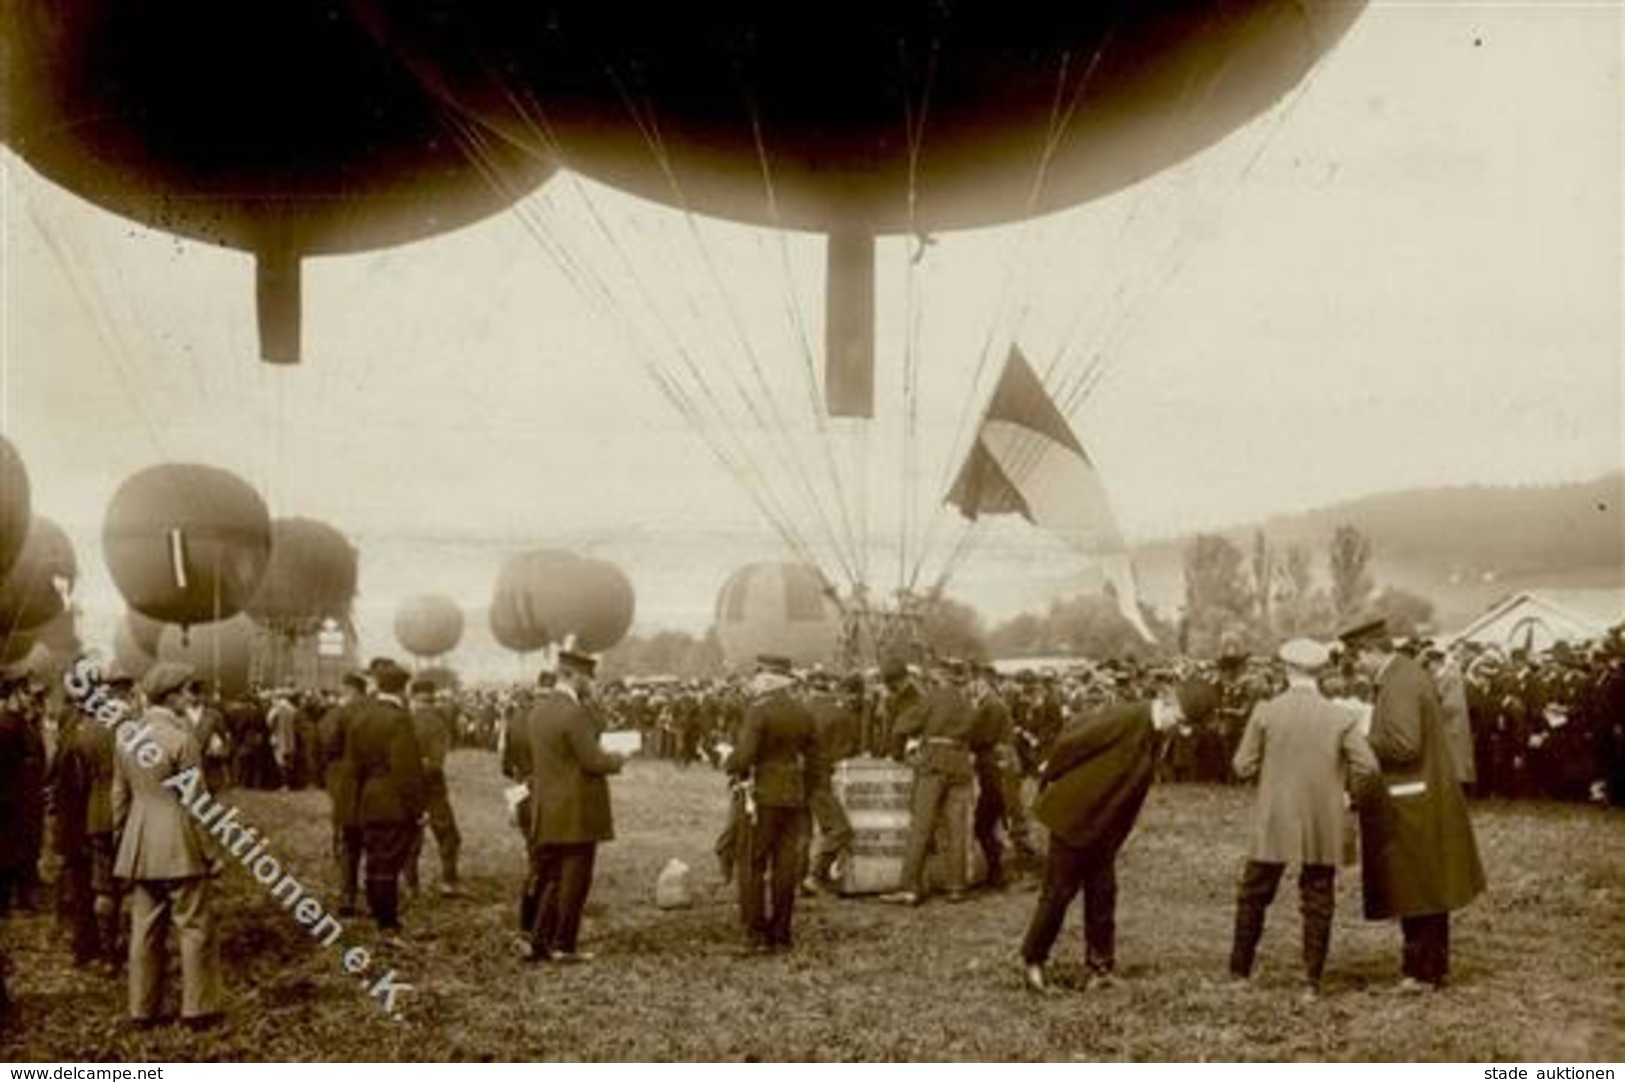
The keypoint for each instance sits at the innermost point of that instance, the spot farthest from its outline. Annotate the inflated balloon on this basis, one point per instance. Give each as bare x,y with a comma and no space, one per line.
15,507
518,598
429,625
186,544
276,127
916,115
857,120
222,652
31,594
129,655
311,576
777,608
550,596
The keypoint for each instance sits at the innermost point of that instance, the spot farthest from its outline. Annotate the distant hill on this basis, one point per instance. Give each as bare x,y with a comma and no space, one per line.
1464,548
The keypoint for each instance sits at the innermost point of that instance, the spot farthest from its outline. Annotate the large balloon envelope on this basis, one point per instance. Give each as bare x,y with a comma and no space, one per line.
186,544
30,596
799,115
221,652
429,625
311,576
784,609
551,596
15,507
274,126
857,120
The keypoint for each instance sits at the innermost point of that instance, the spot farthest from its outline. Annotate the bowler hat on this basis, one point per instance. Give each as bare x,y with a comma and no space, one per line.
774,663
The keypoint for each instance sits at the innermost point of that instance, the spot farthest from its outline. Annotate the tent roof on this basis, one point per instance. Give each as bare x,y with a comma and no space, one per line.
1559,614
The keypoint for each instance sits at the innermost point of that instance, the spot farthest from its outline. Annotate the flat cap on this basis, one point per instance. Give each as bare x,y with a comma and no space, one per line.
166,677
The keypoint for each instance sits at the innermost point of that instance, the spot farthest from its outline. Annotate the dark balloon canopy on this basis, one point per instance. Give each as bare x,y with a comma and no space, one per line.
15,506
429,625
551,596
883,118
311,576
786,609
275,126
32,594
186,544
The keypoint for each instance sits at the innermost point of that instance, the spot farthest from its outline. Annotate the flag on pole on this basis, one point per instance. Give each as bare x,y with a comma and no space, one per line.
1027,461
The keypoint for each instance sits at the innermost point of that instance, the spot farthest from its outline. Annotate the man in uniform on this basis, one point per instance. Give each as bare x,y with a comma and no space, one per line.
1301,747
837,730
1095,782
385,766
433,727
776,764
570,812
334,736
943,722
1419,857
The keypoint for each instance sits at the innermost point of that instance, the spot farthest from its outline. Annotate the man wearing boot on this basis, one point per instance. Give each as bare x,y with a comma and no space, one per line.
837,730
386,768
334,736
1301,747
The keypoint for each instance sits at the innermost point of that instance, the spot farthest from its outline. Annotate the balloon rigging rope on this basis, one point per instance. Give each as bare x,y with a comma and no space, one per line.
915,121
597,291
774,421
1082,377
1022,245
856,544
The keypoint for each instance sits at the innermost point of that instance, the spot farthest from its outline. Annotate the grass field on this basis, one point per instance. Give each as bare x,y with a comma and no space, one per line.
1539,963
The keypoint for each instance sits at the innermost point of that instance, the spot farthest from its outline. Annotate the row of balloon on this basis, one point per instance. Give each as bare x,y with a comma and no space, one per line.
212,580
38,622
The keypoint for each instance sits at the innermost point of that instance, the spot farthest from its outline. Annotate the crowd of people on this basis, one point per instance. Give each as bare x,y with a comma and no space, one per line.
1405,729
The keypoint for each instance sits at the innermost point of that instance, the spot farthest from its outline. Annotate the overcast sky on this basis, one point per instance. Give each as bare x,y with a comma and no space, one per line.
1409,274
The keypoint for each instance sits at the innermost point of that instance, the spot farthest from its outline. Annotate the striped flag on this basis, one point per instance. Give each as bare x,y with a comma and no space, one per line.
1027,461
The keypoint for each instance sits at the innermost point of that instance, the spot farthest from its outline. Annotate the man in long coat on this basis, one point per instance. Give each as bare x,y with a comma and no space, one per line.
1303,749
333,734
386,769
1419,860
570,813
1095,781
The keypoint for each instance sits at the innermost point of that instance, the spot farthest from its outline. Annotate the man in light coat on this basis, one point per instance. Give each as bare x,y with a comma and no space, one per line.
571,813
1303,749
163,853
1419,859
